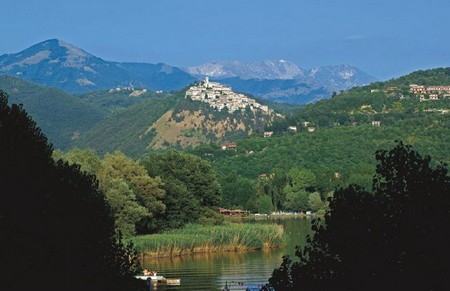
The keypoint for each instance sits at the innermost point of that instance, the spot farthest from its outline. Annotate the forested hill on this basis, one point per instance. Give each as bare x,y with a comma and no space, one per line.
335,140
136,121
389,102
62,117
132,120
425,77
332,142
169,121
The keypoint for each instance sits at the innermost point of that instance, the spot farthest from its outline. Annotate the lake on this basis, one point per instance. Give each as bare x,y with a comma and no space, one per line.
212,271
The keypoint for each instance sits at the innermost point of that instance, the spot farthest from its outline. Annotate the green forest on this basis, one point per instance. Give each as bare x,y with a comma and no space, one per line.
292,171
339,149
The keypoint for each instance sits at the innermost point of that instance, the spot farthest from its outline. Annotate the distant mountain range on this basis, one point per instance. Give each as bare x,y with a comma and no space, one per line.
283,81
56,63
265,70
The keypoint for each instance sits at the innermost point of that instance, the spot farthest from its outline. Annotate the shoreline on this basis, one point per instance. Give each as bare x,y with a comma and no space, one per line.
197,239
193,253
276,215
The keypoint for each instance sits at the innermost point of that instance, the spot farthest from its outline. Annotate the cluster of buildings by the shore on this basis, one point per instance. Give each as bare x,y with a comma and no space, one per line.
220,96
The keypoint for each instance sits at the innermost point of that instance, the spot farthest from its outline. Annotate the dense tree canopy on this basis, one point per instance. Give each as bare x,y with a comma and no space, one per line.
339,150
134,197
393,238
236,191
191,186
300,184
57,229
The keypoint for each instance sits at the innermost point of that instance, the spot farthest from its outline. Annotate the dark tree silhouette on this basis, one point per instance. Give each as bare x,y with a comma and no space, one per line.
56,227
191,186
396,237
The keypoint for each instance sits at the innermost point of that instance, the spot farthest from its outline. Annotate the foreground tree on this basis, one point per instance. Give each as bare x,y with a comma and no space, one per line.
140,202
393,238
191,187
57,229
134,197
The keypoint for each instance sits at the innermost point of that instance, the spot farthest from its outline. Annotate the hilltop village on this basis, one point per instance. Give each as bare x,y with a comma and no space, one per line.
219,96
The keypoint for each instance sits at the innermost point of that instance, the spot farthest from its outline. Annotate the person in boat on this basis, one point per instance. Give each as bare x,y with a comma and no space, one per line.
149,273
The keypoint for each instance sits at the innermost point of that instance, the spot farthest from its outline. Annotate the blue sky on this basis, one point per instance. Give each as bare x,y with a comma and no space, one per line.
386,38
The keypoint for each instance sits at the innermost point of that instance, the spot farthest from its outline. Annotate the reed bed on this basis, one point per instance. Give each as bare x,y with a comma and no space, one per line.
195,238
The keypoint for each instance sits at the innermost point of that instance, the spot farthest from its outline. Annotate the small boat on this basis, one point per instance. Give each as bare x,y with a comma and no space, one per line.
161,280
154,278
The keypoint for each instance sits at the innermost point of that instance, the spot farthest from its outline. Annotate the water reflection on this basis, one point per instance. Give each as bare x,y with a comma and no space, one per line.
212,271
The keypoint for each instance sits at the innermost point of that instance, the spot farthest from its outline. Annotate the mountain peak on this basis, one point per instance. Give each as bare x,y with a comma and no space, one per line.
75,57
51,51
55,44
344,72
67,53
269,69
56,62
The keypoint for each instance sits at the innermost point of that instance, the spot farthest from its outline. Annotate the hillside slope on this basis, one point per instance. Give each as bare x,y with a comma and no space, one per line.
124,130
387,102
336,139
171,121
61,116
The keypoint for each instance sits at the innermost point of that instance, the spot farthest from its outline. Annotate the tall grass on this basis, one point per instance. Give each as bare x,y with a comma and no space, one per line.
195,238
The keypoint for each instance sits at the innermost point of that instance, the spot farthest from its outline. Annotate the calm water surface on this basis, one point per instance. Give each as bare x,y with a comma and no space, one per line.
213,271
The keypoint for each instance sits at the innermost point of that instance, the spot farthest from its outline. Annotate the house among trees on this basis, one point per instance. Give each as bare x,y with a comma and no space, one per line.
268,134
434,97
376,123
438,89
292,128
234,212
229,146
311,129
431,97
433,92
417,89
